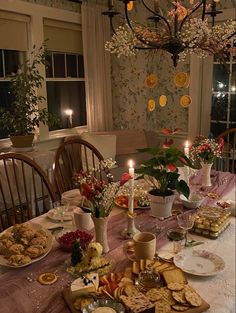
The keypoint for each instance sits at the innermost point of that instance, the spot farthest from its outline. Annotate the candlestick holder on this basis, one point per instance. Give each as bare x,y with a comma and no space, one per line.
131,229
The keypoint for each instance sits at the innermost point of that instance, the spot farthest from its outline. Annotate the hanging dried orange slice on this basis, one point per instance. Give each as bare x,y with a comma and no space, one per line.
151,105
47,278
181,79
130,6
163,100
151,80
185,101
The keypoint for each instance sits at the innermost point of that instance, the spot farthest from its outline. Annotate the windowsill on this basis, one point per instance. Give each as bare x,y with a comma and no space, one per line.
51,143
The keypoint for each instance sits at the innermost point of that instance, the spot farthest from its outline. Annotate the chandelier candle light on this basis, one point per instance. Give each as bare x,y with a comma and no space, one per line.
181,30
186,168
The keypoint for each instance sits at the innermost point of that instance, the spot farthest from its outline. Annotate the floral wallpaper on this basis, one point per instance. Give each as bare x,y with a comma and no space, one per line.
60,4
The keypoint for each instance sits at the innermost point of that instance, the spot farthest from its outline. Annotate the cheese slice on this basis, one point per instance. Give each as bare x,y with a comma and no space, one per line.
84,285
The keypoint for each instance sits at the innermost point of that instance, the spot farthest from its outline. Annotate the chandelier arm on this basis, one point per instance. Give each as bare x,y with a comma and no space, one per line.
158,15
203,2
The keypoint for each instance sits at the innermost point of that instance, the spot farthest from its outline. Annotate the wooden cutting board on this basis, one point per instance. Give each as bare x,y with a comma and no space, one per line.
205,306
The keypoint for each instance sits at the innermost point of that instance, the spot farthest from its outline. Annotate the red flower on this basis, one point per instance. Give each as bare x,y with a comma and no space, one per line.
167,143
124,178
171,167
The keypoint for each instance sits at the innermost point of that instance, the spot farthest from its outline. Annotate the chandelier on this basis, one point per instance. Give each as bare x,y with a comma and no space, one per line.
182,30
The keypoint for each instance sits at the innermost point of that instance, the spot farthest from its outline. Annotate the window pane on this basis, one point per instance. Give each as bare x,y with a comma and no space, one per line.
81,66
5,102
233,108
71,65
12,60
1,65
59,65
217,128
220,78
219,106
49,65
67,95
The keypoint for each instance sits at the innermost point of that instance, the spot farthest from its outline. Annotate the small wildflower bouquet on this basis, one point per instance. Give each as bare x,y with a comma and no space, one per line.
206,150
99,195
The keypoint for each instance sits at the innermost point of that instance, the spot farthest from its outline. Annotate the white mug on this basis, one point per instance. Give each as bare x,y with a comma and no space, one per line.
82,219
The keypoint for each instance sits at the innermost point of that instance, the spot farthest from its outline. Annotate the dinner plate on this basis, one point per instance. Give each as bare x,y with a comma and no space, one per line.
199,262
56,217
35,227
122,201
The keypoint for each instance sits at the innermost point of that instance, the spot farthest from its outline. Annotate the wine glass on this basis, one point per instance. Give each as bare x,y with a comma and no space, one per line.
186,222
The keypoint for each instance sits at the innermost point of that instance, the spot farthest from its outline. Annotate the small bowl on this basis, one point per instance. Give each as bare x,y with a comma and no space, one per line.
193,202
67,238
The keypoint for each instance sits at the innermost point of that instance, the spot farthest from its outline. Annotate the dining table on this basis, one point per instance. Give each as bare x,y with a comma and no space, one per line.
20,291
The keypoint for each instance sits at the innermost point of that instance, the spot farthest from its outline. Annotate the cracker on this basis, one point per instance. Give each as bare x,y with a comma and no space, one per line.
154,294
179,296
167,295
193,298
175,286
174,275
162,306
180,308
130,290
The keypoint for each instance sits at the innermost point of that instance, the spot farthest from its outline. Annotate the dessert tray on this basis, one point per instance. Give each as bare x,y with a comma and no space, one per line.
34,242
199,262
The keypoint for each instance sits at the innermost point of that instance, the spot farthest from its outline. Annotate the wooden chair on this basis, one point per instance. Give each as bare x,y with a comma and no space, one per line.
228,160
25,190
75,155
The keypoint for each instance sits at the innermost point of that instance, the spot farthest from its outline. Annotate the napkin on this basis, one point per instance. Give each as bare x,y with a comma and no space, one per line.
73,197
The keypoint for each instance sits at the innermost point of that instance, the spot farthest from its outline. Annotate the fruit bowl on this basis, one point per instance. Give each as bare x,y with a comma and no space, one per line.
193,202
67,238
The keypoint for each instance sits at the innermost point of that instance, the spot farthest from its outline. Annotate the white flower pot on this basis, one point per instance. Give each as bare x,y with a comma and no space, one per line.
206,174
161,206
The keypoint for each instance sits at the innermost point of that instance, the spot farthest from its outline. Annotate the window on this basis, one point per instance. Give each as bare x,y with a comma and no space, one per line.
65,73
223,112
9,61
66,88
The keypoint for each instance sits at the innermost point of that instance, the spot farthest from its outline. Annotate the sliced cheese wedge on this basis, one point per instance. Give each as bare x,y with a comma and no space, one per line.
84,285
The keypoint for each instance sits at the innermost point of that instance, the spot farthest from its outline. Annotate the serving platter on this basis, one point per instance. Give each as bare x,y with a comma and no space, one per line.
199,262
35,227
122,201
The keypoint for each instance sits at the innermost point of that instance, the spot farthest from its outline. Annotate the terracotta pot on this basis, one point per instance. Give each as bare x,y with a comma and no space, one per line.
100,224
22,141
161,206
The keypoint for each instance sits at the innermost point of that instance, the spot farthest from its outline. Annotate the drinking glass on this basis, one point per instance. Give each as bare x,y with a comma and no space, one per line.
60,208
186,222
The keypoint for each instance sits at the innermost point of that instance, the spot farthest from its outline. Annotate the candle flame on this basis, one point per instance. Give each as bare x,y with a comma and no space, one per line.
131,163
68,112
186,144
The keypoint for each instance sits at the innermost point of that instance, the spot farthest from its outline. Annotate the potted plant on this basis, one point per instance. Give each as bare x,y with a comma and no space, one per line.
23,116
161,173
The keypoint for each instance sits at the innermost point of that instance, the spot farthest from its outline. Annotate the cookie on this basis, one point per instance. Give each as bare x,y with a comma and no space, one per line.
175,286
154,295
180,308
162,306
179,296
193,298
47,278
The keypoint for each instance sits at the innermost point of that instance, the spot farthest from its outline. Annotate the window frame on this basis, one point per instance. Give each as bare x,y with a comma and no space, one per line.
36,37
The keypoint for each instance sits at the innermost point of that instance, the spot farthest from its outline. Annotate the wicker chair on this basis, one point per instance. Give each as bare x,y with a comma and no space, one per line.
228,160
25,190
75,155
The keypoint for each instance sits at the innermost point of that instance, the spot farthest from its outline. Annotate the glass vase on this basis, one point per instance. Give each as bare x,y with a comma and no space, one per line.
100,225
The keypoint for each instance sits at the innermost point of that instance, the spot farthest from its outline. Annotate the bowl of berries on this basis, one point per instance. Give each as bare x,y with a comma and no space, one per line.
67,238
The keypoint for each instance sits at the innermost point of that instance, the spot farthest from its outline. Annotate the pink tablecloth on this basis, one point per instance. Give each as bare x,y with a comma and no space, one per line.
21,293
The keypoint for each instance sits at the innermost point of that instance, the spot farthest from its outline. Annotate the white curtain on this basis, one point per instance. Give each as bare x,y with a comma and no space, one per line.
96,30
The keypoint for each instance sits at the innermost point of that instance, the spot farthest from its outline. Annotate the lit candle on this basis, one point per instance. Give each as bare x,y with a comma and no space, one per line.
131,184
69,113
186,148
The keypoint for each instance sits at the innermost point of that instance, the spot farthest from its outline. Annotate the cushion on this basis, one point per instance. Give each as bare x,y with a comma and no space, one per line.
105,144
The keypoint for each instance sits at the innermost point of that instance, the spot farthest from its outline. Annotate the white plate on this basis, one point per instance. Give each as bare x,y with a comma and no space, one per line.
56,217
4,261
199,262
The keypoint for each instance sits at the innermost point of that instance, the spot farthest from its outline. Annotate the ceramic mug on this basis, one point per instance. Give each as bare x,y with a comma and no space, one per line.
144,245
82,219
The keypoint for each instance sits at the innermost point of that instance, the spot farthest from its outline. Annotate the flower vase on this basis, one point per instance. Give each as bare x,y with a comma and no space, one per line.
206,174
100,225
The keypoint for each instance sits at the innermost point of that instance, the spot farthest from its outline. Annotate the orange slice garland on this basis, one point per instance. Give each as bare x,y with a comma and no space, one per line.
130,6
47,278
163,100
185,101
151,105
151,80
181,79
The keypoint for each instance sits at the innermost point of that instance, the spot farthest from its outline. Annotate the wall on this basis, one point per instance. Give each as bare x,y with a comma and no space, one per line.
60,4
